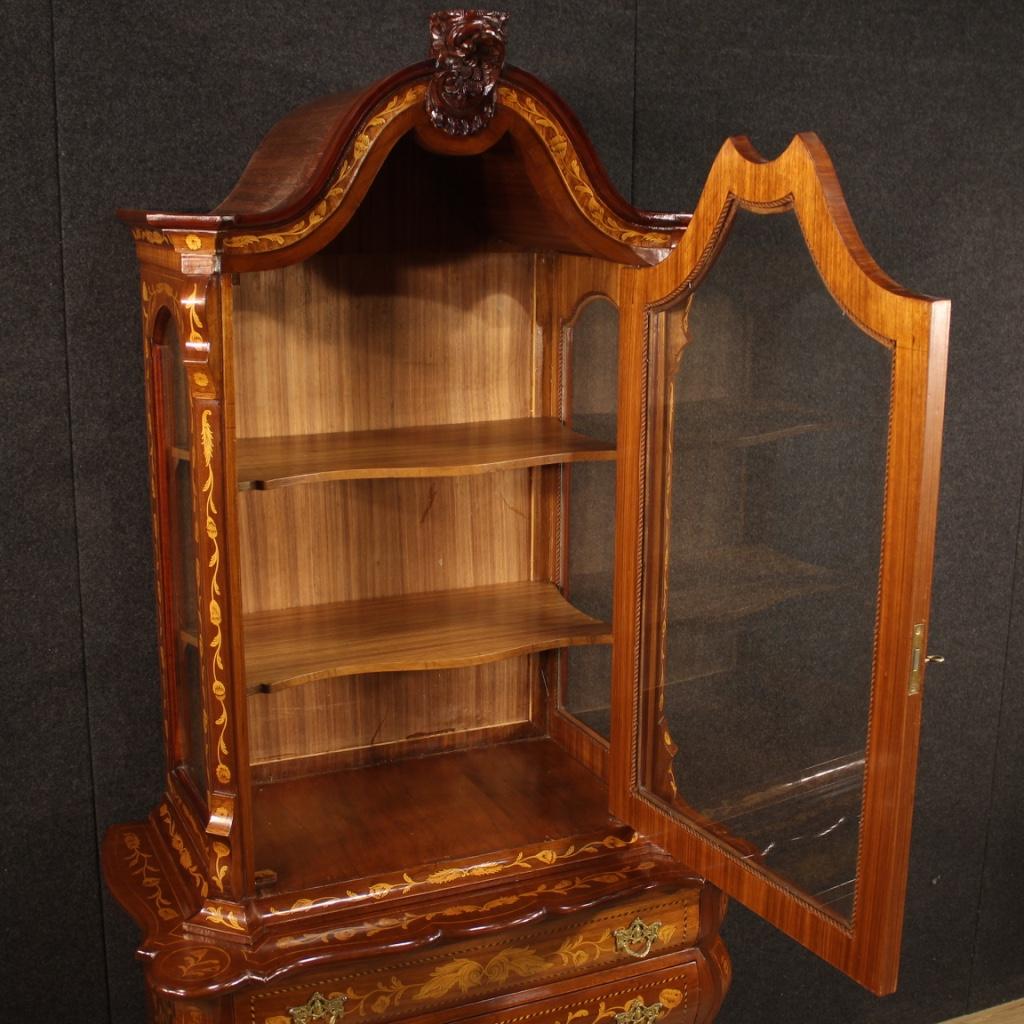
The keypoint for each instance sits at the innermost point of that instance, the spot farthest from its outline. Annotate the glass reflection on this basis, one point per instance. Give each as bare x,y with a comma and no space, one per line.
190,730
779,425
593,380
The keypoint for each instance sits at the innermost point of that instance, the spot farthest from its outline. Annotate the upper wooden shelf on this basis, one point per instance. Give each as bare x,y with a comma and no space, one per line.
438,629
451,449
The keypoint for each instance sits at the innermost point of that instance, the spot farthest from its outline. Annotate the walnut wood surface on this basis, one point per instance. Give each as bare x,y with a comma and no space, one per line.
561,900
438,629
413,336
346,343
390,817
346,319
363,719
451,449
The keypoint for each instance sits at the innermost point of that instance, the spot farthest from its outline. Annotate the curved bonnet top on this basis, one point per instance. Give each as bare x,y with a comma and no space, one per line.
538,181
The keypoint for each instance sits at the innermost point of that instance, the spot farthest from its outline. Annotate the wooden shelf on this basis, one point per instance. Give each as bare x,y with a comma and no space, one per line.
439,629
390,817
452,449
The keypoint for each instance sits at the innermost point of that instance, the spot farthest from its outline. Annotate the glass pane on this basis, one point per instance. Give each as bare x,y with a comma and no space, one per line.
593,383
192,702
779,424
182,540
186,543
179,390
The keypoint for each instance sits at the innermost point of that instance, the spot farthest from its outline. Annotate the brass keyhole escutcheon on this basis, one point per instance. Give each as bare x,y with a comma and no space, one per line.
638,1013
638,938
320,1007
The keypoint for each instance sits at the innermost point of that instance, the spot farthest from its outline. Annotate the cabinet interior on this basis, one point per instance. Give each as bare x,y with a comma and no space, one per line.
405,462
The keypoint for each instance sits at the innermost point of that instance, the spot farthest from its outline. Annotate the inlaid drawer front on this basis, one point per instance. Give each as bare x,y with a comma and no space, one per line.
393,988
670,996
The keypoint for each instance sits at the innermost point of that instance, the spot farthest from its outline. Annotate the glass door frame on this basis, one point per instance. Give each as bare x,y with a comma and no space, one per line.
802,181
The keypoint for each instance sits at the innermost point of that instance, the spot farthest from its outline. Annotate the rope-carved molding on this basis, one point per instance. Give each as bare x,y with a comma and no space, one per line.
468,48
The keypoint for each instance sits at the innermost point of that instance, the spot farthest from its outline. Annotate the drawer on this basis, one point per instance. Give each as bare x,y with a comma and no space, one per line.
556,950
670,994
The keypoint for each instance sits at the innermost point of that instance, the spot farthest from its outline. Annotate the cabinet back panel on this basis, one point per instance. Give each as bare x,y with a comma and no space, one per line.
353,342
354,720
351,540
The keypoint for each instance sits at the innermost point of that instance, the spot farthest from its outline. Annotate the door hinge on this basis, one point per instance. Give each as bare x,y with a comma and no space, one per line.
916,660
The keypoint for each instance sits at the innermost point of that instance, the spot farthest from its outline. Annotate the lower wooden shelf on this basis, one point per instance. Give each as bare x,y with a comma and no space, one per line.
351,824
438,629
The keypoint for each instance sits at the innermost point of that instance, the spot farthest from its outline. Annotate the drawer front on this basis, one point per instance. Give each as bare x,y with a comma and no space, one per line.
668,996
394,988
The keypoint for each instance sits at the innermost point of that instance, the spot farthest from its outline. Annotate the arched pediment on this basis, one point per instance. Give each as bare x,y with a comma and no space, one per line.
536,181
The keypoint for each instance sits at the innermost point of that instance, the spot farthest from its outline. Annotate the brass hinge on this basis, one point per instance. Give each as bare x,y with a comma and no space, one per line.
916,660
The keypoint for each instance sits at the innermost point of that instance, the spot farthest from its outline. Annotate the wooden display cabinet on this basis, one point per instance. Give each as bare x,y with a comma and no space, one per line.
531,570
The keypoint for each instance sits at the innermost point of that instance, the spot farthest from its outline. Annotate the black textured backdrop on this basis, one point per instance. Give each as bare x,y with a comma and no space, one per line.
160,104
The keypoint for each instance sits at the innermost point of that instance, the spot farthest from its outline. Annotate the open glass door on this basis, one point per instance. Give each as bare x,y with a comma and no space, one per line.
782,459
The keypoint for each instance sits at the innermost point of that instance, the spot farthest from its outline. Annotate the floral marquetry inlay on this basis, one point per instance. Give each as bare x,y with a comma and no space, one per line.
142,866
280,237
523,861
148,235
477,976
575,177
184,857
214,615
405,920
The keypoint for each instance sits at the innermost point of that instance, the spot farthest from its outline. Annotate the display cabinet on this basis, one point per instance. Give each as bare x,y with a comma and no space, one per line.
532,571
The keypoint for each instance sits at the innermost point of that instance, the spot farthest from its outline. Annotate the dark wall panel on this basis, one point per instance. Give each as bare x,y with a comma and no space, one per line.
161,105
919,106
48,863
999,953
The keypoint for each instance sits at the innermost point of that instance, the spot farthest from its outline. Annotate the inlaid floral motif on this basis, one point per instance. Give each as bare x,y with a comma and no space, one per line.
464,975
404,920
575,178
214,615
141,866
343,179
522,861
184,857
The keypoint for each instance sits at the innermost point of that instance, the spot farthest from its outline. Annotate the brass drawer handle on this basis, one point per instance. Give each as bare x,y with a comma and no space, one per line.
319,1007
637,1013
637,939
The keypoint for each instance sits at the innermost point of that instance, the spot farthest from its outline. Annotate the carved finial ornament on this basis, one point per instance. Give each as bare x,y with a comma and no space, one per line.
469,51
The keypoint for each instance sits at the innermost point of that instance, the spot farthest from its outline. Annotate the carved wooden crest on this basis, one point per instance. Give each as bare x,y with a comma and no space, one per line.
469,50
